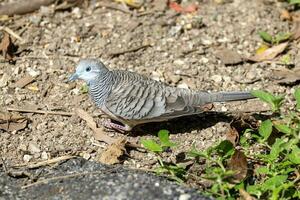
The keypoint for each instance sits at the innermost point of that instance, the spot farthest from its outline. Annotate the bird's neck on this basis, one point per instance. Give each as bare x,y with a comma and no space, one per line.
100,88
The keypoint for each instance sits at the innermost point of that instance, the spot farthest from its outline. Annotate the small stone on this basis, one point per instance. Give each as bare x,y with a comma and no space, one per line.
184,197
86,155
183,85
4,80
224,109
217,78
27,157
33,73
178,62
44,155
77,12
33,148
155,76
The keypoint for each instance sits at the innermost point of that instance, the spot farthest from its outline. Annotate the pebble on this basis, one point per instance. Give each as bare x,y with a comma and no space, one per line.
217,78
178,62
183,85
27,157
86,155
184,197
33,72
44,155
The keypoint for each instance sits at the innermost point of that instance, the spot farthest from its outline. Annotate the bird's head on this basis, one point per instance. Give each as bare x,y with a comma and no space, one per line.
88,70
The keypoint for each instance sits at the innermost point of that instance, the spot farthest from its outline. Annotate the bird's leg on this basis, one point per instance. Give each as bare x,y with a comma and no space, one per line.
121,128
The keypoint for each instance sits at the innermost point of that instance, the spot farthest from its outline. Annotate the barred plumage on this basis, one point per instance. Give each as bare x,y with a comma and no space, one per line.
133,99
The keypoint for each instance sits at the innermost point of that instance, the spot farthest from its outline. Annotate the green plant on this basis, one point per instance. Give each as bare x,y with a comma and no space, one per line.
175,172
274,150
265,164
294,1
276,39
274,101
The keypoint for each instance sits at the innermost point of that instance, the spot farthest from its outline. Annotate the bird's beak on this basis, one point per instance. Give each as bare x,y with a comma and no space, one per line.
73,77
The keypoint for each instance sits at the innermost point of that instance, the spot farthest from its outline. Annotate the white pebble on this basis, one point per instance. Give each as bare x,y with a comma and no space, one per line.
27,157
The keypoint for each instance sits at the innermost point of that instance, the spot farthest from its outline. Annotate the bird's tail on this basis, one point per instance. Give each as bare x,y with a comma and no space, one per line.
225,96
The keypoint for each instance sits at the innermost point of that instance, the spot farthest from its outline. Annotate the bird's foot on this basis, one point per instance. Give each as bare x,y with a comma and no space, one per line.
118,127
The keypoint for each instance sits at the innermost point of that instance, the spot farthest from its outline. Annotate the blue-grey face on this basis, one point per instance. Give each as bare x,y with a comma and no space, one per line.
88,70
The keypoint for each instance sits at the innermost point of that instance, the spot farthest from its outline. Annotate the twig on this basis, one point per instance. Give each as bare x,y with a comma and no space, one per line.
40,111
46,162
117,53
109,6
66,177
12,33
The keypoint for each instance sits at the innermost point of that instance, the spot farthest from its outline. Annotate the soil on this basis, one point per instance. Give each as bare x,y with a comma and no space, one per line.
179,49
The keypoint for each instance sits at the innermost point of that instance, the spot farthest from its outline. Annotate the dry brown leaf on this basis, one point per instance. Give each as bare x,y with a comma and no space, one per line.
12,122
98,132
232,135
7,47
238,163
24,81
113,152
245,195
270,53
296,30
288,76
285,15
229,57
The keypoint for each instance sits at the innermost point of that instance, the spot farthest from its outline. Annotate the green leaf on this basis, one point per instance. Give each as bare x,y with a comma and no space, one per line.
277,148
283,128
151,145
265,129
225,148
274,101
163,136
272,183
265,36
281,37
297,96
262,170
294,1
254,190
294,156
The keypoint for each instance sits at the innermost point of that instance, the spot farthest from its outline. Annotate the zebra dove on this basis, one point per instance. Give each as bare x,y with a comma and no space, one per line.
133,99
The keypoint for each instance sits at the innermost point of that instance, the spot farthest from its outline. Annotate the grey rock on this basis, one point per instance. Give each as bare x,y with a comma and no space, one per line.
92,180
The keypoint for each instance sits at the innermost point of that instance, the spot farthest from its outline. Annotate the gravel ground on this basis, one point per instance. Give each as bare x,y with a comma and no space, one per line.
177,49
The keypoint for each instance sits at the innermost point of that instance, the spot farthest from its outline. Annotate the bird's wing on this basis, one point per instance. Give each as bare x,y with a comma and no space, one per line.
135,97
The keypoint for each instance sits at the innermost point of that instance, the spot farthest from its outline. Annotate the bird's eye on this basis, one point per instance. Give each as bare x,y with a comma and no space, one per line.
88,69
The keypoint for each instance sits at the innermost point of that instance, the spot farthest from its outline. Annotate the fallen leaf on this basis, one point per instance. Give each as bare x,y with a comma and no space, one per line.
229,57
238,163
232,135
287,76
270,53
285,15
113,153
7,47
24,81
178,8
296,30
98,132
12,122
